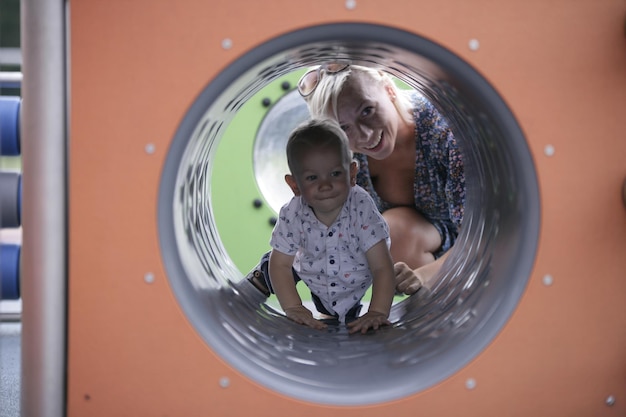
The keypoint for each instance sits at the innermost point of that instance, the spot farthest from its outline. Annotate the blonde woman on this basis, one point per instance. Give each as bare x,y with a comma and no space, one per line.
409,162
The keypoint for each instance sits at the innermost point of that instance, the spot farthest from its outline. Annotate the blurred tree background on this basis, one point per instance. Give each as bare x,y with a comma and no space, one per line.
10,24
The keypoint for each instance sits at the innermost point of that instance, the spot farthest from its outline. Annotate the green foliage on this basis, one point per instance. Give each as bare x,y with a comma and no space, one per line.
10,24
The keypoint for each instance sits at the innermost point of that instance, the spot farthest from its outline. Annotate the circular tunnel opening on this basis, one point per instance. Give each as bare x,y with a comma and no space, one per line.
434,334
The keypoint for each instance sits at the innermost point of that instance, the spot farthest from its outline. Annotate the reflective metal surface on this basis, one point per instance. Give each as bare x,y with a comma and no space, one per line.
270,163
433,334
44,209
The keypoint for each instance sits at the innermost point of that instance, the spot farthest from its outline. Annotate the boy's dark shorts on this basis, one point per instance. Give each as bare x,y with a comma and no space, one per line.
263,267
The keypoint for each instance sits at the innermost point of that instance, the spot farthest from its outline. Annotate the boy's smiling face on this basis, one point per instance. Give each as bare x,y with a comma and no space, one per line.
324,180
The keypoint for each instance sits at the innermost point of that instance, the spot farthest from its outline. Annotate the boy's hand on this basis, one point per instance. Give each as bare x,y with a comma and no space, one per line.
303,315
370,320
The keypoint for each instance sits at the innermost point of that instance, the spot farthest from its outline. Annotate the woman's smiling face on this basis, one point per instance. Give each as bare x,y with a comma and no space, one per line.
368,116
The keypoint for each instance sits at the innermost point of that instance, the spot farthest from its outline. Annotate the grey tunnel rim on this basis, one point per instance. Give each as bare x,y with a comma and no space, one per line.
504,296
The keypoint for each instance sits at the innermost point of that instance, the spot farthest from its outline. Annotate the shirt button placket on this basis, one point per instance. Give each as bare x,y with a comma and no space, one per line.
332,266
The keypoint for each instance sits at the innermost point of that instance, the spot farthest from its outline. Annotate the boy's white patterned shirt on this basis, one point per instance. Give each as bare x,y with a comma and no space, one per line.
331,260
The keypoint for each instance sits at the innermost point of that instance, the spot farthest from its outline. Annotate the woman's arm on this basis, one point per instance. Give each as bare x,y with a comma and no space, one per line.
285,289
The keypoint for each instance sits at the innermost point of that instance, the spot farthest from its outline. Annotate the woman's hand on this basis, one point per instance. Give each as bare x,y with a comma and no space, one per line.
408,281
370,320
303,315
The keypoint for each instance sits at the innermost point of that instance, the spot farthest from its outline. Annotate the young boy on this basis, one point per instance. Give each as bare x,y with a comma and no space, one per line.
330,235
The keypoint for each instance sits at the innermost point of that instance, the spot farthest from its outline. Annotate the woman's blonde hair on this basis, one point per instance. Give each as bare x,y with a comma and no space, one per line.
322,102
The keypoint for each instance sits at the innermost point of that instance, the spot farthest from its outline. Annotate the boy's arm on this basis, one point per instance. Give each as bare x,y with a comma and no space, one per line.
285,289
383,289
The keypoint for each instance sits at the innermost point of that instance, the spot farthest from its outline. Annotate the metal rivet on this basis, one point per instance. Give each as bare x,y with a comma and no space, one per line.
610,401
474,44
224,382
150,148
227,43
547,280
149,278
350,4
470,383
548,150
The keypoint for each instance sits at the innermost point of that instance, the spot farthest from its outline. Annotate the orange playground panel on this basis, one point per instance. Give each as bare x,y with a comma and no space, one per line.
135,69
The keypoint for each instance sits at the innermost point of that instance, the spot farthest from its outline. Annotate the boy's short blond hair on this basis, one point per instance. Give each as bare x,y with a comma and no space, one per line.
316,133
